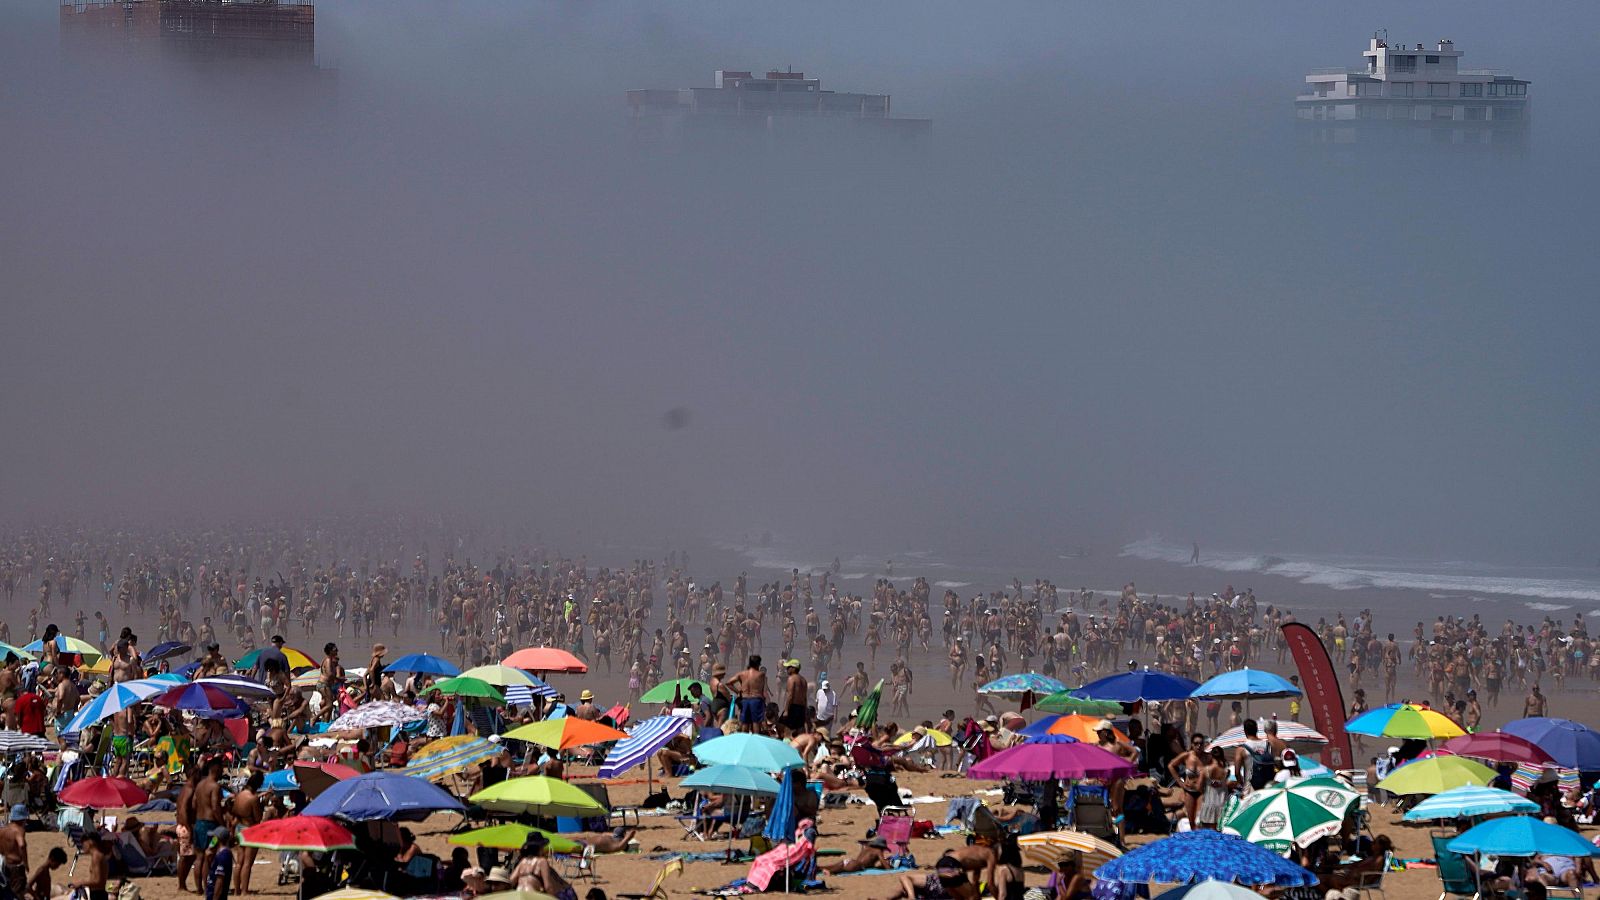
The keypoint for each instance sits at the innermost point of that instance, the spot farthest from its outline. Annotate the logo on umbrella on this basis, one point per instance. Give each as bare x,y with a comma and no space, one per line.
1272,824
1332,799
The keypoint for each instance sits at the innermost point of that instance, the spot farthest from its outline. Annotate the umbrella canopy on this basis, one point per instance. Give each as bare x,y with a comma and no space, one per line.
511,836
1435,775
1404,720
378,714
867,712
355,894
1023,683
316,777
501,676
933,736
674,690
434,762
113,700
1210,889
167,650
1498,746
1074,726
202,699
9,650
1053,756
1468,801
297,660
1198,855
1049,848
545,659
523,694
90,653
103,792
738,780
1063,703
382,795
424,664
565,733
753,750
516,895
1282,816
1292,733
1140,684
539,795
643,740
20,742
313,834
1573,745
1241,684
465,686
241,686
781,818
1521,836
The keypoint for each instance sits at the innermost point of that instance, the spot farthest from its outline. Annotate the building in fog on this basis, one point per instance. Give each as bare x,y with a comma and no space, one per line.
778,107
281,32
1410,94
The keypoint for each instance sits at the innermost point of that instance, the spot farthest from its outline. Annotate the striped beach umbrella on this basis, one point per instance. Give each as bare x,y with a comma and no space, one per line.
1300,737
241,686
378,714
64,644
1405,721
1049,848
10,650
20,742
642,742
1467,801
1282,816
113,700
459,757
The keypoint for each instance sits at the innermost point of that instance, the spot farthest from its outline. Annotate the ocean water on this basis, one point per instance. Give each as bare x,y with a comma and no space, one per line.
1548,588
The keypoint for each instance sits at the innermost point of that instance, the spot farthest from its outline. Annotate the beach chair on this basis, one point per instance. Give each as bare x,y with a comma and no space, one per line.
615,815
579,865
1091,815
1455,879
674,866
896,831
698,825
1372,883
136,863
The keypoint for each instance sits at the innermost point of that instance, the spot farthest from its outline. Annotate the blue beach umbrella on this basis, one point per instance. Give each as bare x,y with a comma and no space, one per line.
643,740
281,781
741,781
1197,855
1572,744
1023,683
781,820
1521,836
1243,684
382,795
113,700
1467,801
424,664
167,649
1139,685
753,750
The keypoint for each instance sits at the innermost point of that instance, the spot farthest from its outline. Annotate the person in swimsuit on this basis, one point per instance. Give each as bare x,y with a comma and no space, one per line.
535,873
1185,770
1217,786
751,685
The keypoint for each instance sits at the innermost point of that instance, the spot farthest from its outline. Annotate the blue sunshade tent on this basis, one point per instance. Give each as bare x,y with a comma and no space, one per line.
1244,684
1467,801
1521,836
424,664
1198,855
1572,744
1140,684
382,795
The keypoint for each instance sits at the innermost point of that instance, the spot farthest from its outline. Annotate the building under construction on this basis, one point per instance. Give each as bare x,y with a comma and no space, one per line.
276,31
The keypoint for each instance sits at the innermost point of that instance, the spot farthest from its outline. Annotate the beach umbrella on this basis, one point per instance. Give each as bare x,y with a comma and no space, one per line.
167,677
1052,756
205,700
1498,746
1063,703
308,680
167,650
516,895
1435,775
1525,777
1210,889
1292,733
460,757
316,777
9,650
545,659
1246,684
90,653
867,713
1074,726
1467,801
297,660
523,694
463,686
280,782
642,742
539,795
382,795
753,750
313,834
111,701
1049,848
741,781
511,836
1521,836
1572,744
565,733
931,737
1023,683
103,792
242,686
355,894
21,742
1279,817
1406,721
379,714
424,664
1198,855
1139,685
673,691
501,676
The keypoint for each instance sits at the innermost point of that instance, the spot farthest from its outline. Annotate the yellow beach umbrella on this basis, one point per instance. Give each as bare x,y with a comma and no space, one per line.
516,895
940,739
511,836
356,894
1049,848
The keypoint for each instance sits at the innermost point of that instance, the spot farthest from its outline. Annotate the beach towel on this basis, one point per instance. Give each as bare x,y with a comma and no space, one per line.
781,857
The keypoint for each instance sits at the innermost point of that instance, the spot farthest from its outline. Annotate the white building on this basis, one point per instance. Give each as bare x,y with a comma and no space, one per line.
1423,93
779,105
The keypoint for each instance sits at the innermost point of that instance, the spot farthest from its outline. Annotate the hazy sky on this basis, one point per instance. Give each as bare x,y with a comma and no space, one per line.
1112,294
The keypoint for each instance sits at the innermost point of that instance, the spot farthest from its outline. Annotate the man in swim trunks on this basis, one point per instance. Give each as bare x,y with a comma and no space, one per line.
796,691
751,687
208,811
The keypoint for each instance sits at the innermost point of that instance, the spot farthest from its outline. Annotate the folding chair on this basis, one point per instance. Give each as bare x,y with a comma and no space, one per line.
579,865
1092,815
896,831
615,815
674,866
1372,883
696,824
1455,879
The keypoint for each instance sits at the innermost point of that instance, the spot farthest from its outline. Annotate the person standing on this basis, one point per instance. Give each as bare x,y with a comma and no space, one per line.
827,703
220,877
751,688
14,849
796,692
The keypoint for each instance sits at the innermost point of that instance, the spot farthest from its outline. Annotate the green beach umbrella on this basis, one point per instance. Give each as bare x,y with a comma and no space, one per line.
1282,816
511,836
1065,704
1435,775
867,714
465,686
669,691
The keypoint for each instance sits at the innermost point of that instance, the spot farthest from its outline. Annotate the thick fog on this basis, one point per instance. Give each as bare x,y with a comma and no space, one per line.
1112,292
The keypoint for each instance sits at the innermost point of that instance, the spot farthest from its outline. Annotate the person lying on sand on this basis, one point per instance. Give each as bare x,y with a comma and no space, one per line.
874,854
615,842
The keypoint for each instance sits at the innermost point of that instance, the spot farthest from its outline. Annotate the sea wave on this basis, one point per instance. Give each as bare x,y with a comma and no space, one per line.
1355,574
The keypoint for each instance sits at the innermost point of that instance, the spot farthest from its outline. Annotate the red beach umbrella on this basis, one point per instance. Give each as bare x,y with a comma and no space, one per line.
1498,746
314,834
103,792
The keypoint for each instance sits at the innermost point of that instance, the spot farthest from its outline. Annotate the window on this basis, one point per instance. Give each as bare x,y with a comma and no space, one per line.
1440,111
1516,90
1370,89
1477,113
1403,63
1472,90
1350,89
1400,89
1438,89
1431,60
1507,113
